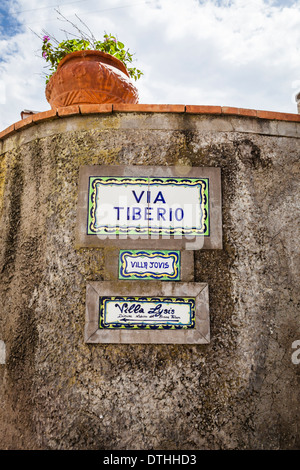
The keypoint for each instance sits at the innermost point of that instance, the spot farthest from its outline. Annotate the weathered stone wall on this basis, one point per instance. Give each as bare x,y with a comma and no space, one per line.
241,391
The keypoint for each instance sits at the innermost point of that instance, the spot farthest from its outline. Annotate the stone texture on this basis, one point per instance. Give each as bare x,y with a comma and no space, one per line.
240,391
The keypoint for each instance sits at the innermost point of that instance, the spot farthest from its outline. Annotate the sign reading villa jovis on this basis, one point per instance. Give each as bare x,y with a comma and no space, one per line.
122,204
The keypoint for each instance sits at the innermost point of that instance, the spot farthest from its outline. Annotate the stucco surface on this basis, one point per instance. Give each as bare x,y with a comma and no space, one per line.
240,391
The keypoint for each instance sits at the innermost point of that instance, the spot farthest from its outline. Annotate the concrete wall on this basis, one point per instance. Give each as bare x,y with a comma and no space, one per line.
241,391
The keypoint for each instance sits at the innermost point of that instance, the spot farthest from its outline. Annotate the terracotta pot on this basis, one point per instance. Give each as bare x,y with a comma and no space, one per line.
90,77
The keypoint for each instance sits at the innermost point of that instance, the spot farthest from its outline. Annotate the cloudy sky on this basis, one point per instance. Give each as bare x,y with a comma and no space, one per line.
243,53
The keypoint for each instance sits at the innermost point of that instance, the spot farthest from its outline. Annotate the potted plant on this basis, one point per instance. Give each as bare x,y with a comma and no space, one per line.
85,71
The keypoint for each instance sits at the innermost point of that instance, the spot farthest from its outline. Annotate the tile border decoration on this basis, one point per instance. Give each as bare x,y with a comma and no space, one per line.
97,290
89,234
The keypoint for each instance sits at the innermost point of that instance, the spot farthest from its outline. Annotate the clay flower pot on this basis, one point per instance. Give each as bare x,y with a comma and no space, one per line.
90,77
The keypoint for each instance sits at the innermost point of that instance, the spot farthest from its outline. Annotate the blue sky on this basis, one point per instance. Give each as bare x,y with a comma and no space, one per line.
243,53
9,24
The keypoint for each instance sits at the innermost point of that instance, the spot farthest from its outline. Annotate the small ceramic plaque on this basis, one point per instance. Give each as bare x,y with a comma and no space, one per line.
147,312
153,265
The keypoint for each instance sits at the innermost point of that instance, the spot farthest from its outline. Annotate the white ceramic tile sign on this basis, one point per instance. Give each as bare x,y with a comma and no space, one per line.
143,312
147,312
149,205
146,264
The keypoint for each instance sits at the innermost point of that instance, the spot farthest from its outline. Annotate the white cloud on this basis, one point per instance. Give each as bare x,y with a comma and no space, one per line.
2,92
233,53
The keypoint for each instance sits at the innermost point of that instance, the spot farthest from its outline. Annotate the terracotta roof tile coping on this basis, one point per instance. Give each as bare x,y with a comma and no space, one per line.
85,109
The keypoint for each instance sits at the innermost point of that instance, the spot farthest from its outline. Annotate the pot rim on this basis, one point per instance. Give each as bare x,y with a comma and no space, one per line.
107,58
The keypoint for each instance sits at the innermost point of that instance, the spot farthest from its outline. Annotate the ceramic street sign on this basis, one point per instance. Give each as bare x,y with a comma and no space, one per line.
147,312
148,206
153,265
121,205
154,312
149,265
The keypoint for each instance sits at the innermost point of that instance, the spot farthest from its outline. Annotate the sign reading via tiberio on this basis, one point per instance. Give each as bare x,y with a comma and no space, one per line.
148,206
180,207
156,312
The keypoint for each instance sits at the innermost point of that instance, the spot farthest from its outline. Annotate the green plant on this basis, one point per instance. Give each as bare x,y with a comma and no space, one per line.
54,51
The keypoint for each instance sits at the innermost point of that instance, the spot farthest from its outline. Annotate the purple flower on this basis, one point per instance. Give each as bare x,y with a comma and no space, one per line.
46,38
45,55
